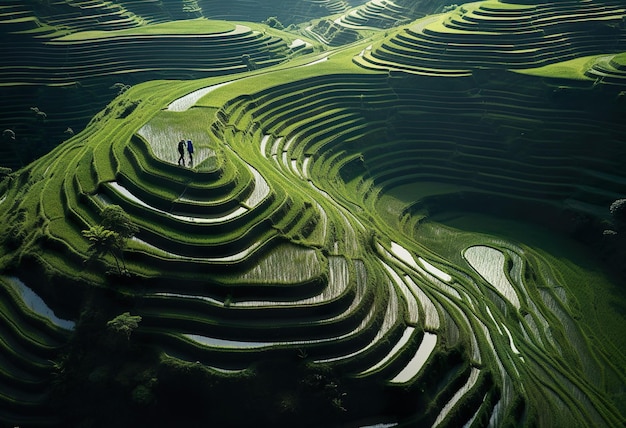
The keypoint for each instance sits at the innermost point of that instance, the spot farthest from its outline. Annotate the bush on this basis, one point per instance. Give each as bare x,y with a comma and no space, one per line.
142,395
273,22
124,323
618,211
8,134
129,107
115,218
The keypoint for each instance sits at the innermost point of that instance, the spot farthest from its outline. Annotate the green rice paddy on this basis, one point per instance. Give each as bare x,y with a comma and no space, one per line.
404,223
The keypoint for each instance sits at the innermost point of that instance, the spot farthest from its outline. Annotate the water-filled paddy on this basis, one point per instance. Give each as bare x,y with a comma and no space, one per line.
37,305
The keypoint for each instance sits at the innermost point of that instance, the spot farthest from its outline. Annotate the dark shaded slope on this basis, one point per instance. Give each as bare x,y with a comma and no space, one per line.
285,274
52,87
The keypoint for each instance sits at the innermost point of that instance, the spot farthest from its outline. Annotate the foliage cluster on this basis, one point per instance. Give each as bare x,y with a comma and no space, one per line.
103,377
111,236
273,22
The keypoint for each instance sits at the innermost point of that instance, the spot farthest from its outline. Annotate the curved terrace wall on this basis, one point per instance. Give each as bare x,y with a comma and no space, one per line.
304,260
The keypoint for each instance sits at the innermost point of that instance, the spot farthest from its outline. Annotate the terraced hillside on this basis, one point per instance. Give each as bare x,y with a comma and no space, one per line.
413,230
373,15
70,49
496,35
61,49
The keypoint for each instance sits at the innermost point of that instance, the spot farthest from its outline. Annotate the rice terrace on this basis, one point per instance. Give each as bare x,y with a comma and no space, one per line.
405,213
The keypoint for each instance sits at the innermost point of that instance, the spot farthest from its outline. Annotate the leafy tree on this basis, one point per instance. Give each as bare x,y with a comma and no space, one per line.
8,134
618,211
120,88
40,115
248,62
111,235
615,238
143,395
124,323
128,107
273,22
103,241
116,219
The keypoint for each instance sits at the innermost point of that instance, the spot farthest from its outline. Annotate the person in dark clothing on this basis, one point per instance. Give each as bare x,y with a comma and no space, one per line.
190,151
181,151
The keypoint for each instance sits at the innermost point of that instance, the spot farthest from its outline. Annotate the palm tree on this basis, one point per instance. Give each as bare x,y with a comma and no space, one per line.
116,219
103,241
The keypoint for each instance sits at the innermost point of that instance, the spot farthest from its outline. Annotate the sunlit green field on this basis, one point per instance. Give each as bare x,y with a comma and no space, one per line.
411,228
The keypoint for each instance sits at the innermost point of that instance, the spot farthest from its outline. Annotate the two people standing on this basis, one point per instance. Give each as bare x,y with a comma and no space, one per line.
181,151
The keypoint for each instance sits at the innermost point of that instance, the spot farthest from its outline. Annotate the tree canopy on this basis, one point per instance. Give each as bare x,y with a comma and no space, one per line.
124,323
116,219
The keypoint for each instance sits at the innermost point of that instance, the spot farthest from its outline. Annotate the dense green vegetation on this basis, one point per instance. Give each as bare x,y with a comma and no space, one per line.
391,218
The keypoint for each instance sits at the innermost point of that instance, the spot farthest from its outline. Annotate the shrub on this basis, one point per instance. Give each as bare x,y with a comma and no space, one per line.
449,8
124,323
102,241
618,211
120,88
273,22
248,62
39,114
111,236
116,219
142,395
8,134
129,107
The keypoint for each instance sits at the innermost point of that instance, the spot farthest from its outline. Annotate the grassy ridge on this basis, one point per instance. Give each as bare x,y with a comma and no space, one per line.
363,171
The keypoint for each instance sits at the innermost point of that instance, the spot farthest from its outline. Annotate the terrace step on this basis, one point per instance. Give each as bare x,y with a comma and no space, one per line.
474,37
248,326
28,344
49,67
374,14
610,70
